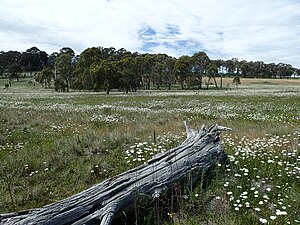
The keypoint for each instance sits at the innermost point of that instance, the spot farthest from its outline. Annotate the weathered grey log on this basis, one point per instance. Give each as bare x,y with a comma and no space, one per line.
103,202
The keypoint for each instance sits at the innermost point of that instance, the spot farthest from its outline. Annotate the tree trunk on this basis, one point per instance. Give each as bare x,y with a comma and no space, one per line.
221,82
148,83
181,83
169,85
108,200
67,85
215,82
200,82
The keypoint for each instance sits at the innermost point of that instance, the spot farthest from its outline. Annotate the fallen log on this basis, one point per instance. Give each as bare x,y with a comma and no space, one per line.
103,202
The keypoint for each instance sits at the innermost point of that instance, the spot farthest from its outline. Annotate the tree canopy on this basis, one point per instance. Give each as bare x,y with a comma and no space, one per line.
104,69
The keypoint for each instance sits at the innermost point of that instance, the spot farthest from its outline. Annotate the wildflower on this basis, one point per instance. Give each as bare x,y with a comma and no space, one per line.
273,217
171,215
280,213
262,220
266,197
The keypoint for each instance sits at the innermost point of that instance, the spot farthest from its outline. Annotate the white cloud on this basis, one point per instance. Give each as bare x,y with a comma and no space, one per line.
253,30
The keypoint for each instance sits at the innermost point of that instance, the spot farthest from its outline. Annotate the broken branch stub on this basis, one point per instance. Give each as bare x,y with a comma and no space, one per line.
103,202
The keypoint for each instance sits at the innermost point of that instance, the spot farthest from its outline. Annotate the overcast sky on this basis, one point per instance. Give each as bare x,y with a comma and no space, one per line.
256,30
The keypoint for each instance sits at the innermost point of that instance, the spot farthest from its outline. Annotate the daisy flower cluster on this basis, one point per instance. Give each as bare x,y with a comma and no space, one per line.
141,152
107,119
263,177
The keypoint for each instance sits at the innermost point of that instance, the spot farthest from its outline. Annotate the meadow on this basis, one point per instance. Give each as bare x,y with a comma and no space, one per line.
53,145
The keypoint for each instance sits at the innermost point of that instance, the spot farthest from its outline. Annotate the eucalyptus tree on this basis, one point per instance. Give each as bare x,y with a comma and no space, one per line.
212,71
14,71
245,68
251,69
64,68
148,68
143,70
128,74
2,62
83,79
67,50
158,70
271,70
284,70
45,77
168,72
33,59
220,65
121,53
259,69
236,66
52,59
125,53
230,66
198,63
182,69
10,65
105,75
10,58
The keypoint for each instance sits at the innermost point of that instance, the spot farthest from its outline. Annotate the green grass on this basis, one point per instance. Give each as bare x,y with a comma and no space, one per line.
53,145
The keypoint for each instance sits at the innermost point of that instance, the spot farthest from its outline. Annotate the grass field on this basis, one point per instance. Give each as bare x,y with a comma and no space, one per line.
53,145
266,81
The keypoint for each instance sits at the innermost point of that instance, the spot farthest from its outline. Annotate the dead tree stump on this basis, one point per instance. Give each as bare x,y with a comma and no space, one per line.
103,202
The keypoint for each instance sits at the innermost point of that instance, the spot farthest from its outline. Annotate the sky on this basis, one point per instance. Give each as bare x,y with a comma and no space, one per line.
252,30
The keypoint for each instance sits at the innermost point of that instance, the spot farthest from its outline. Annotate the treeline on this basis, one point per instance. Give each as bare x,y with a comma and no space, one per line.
100,68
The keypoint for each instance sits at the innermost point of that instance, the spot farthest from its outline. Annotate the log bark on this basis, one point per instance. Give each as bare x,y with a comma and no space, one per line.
103,202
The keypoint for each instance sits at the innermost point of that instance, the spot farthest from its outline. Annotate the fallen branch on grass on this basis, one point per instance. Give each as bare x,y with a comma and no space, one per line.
103,202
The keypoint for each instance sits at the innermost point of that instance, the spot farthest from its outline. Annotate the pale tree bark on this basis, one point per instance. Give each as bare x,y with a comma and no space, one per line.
108,200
